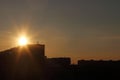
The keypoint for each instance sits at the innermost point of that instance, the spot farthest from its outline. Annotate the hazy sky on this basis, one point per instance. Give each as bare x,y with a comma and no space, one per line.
81,29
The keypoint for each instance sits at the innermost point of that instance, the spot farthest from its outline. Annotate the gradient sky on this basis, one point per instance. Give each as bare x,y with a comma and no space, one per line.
81,29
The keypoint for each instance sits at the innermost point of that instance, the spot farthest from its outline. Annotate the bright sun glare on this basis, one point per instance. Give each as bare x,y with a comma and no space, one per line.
22,41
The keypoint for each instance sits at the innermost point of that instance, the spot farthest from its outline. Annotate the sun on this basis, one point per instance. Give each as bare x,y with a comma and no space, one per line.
22,41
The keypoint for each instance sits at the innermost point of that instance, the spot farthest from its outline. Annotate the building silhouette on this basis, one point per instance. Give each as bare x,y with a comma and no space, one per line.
22,62
30,63
62,61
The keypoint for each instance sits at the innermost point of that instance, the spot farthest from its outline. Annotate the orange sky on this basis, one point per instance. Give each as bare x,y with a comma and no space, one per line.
75,28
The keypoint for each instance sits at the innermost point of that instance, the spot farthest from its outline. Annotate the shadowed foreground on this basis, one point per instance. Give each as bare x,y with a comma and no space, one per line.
32,64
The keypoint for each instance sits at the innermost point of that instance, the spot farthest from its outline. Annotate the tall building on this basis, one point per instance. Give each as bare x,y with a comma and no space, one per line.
23,61
37,51
33,51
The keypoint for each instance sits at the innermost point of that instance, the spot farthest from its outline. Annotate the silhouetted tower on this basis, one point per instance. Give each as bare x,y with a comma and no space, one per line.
38,52
23,62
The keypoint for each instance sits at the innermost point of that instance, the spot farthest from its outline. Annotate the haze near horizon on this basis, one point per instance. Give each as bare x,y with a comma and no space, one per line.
80,29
